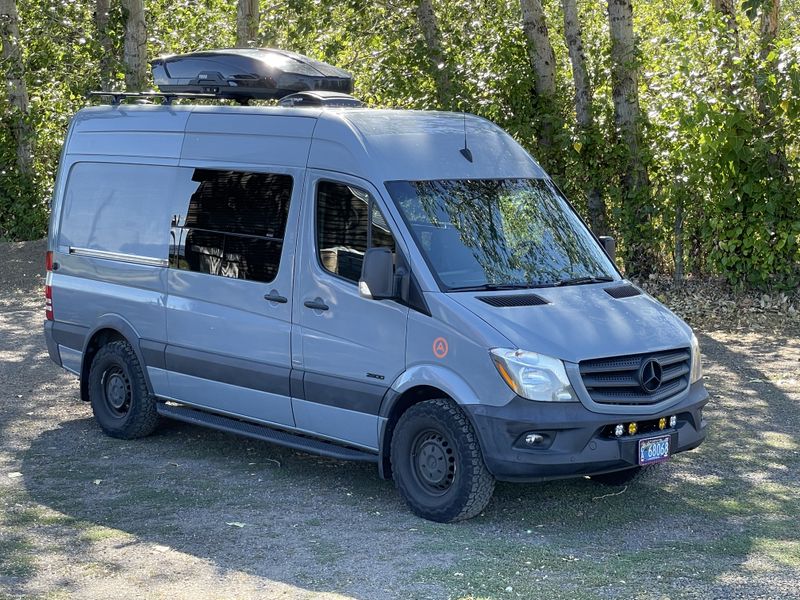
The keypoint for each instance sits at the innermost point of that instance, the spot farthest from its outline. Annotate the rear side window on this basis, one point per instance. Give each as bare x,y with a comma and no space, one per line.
348,222
121,208
233,226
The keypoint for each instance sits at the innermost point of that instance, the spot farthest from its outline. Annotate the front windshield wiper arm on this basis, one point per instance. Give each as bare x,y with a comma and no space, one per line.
583,280
491,287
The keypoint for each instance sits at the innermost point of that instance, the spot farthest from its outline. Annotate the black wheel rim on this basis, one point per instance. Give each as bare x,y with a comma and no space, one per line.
433,462
116,391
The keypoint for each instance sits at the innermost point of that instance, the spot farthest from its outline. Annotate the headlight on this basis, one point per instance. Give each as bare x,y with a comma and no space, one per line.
534,376
697,365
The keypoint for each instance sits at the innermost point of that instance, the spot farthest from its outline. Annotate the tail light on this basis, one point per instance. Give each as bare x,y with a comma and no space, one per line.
48,288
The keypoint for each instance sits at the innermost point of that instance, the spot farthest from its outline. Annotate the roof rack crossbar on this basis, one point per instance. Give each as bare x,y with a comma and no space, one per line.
118,97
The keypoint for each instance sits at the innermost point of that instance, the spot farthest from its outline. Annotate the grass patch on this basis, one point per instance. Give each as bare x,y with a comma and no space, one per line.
16,556
98,533
326,552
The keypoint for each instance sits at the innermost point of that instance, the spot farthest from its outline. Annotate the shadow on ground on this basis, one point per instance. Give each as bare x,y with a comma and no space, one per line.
717,522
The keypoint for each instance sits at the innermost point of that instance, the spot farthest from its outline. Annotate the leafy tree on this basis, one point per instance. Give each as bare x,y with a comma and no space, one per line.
677,121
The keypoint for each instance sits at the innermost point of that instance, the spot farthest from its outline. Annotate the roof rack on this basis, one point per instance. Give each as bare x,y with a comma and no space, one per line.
118,98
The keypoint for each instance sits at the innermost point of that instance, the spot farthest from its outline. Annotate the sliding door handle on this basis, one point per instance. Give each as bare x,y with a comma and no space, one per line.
274,296
316,304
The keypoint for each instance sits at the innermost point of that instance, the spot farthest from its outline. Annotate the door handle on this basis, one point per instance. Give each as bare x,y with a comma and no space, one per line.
316,304
274,296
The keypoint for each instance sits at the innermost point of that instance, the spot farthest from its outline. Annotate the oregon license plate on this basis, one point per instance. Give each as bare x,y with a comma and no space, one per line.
653,450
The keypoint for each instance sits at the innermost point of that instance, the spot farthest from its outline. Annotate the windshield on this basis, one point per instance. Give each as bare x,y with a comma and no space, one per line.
495,233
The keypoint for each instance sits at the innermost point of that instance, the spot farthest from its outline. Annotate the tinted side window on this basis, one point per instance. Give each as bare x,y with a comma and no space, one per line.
234,225
348,222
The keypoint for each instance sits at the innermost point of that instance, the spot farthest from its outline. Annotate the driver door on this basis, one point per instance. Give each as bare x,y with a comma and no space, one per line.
350,348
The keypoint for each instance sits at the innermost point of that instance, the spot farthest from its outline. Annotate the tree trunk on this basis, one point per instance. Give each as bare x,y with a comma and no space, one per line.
770,21
135,48
15,84
429,27
727,8
101,16
543,63
247,24
678,240
640,259
584,112
770,14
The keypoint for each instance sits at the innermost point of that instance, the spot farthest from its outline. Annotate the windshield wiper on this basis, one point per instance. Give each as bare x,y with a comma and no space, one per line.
583,280
491,287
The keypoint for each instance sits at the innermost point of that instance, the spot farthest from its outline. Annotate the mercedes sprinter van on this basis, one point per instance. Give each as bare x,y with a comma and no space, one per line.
361,284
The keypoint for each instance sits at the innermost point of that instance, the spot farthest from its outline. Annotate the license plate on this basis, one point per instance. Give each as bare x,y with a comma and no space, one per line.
653,450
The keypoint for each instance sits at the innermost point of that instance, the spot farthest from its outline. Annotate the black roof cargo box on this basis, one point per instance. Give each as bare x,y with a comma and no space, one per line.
247,73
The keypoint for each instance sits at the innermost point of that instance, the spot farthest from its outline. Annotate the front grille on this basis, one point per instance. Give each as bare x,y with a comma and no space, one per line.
617,380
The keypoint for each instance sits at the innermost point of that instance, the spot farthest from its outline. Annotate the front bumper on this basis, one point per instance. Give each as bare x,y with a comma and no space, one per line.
575,441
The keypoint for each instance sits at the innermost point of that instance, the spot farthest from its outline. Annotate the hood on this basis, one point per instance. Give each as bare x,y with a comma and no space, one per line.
582,322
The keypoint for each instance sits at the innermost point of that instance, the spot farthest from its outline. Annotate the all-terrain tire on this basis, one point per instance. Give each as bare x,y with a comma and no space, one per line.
118,393
437,463
618,478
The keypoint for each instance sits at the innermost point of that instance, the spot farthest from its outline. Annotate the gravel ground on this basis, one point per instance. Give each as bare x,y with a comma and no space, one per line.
192,513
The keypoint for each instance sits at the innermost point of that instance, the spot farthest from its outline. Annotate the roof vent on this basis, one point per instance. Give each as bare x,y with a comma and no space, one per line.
317,99
513,300
244,74
623,291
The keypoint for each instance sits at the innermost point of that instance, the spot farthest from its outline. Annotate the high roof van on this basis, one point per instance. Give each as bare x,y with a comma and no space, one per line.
405,288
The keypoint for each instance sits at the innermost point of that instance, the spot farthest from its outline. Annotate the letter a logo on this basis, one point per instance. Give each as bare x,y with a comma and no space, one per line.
440,347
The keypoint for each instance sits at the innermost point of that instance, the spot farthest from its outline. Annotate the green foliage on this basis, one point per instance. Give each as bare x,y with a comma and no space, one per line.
721,126
729,160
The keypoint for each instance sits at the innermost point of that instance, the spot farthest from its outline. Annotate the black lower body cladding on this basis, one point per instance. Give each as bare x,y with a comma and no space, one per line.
575,441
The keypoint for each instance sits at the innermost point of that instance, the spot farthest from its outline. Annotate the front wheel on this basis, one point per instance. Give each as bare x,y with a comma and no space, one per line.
437,463
118,393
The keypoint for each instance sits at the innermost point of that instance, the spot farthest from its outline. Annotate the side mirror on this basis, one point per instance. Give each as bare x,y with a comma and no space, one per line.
609,245
377,275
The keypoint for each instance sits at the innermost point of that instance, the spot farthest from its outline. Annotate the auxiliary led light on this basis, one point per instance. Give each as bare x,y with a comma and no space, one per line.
673,420
662,422
632,428
619,430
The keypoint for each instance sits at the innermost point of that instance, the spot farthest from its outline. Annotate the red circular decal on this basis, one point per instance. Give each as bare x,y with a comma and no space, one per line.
440,347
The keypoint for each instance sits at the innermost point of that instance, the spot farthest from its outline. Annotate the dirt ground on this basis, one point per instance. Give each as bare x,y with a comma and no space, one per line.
192,513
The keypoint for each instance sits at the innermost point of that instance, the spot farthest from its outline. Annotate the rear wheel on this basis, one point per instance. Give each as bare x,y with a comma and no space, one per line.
437,463
618,477
118,393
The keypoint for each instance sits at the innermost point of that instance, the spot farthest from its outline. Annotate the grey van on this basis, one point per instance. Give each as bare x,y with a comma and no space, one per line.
363,284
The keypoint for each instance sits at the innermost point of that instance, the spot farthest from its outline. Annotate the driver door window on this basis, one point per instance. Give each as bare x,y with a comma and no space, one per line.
348,223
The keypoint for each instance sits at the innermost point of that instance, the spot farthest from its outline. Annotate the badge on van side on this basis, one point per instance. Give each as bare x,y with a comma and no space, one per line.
440,347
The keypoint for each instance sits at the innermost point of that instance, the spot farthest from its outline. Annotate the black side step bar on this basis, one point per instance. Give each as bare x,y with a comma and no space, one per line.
267,434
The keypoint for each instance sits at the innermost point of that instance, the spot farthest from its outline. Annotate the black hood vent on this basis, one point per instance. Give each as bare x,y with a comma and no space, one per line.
623,291
513,300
